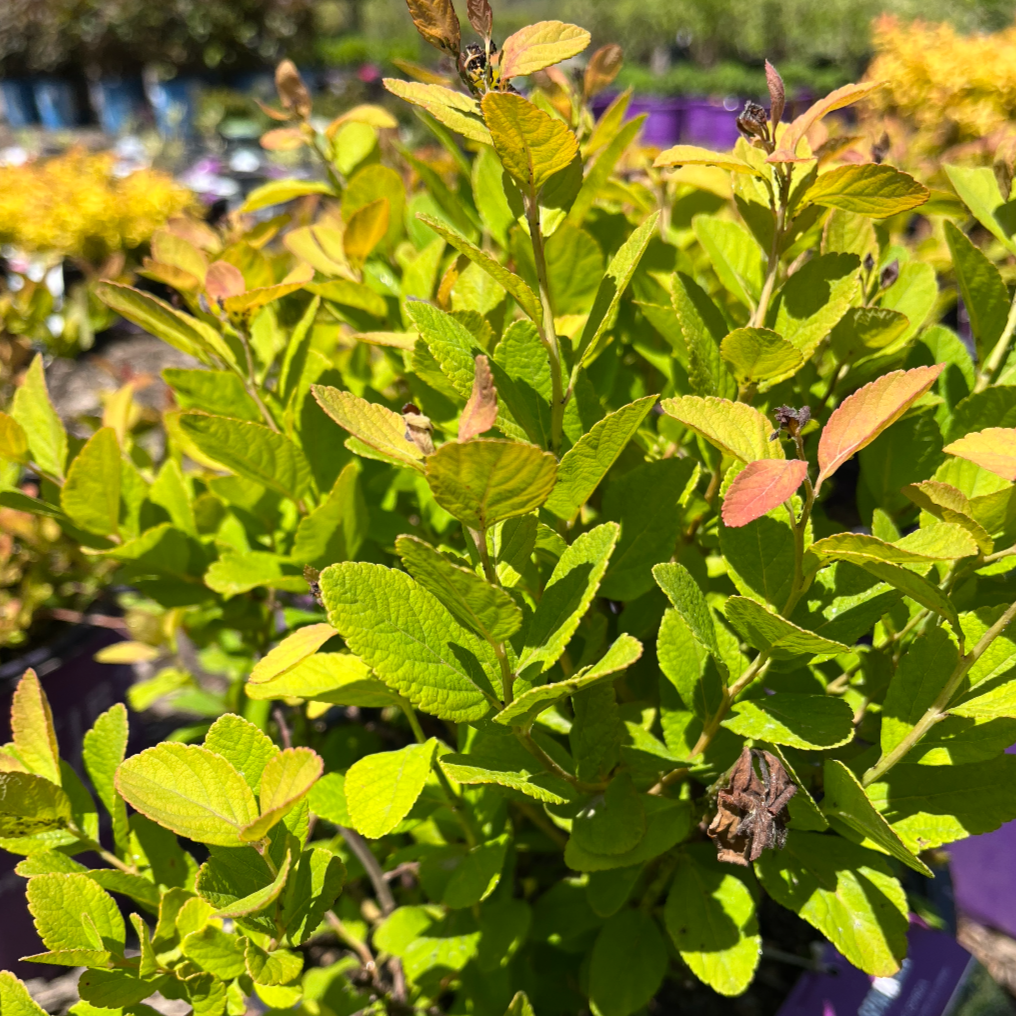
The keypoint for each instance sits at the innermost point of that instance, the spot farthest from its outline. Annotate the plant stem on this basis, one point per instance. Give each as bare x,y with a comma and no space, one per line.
997,356
490,573
99,849
939,709
358,845
527,739
549,335
250,382
758,319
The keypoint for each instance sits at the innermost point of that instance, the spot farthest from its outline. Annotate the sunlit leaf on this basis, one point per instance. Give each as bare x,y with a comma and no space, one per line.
760,487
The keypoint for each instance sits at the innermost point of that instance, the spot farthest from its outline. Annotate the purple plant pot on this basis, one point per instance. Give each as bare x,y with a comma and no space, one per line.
710,123
79,689
664,116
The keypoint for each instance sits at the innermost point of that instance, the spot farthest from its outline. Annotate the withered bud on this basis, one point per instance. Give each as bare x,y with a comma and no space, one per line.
890,274
311,576
880,149
869,262
292,91
753,122
777,94
418,428
481,17
790,420
438,23
604,65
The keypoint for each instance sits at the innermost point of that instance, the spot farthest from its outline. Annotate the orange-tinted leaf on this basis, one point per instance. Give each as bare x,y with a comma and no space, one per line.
438,23
837,99
760,487
993,449
223,280
541,45
604,65
365,230
481,409
292,91
859,419
283,139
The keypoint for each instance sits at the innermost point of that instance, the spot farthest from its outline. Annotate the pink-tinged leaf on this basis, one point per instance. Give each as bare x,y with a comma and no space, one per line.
791,138
760,487
223,280
859,419
481,409
993,449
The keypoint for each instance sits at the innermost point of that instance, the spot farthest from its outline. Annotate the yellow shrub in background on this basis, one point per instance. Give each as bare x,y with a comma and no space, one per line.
952,91
78,205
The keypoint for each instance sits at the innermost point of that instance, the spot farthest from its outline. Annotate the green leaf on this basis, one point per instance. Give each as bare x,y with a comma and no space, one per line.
759,356
512,283
985,295
328,677
531,144
285,782
30,805
766,630
486,609
190,790
214,951
601,169
238,572
311,890
846,892
684,593
645,501
453,109
477,874
486,481
930,806
527,706
979,191
350,294
866,330
327,799
276,967
710,915
279,192
170,491
91,495
219,392
32,728
32,409
703,328
237,882
72,912
800,721
668,822
251,451
450,343
586,463
381,789
629,959
566,597
181,331
814,299
116,989
611,288
734,255
13,441
103,749
412,643
846,800
613,822
683,659
336,529
804,812
923,671
14,997
736,428
875,191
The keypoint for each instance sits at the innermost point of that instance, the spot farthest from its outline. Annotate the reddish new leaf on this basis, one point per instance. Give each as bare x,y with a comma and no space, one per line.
481,17
777,94
223,280
860,419
993,449
481,409
760,487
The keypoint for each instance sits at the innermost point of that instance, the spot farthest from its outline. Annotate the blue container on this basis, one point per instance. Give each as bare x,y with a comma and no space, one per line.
173,103
118,103
58,108
18,100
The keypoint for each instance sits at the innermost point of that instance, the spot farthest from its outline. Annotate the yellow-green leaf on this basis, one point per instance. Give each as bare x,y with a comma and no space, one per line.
370,422
381,789
190,791
290,652
32,728
91,495
861,417
340,678
453,109
365,230
47,439
692,155
14,997
532,144
278,192
875,191
993,449
760,356
735,428
285,781
30,805
541,45
485,481
13,442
